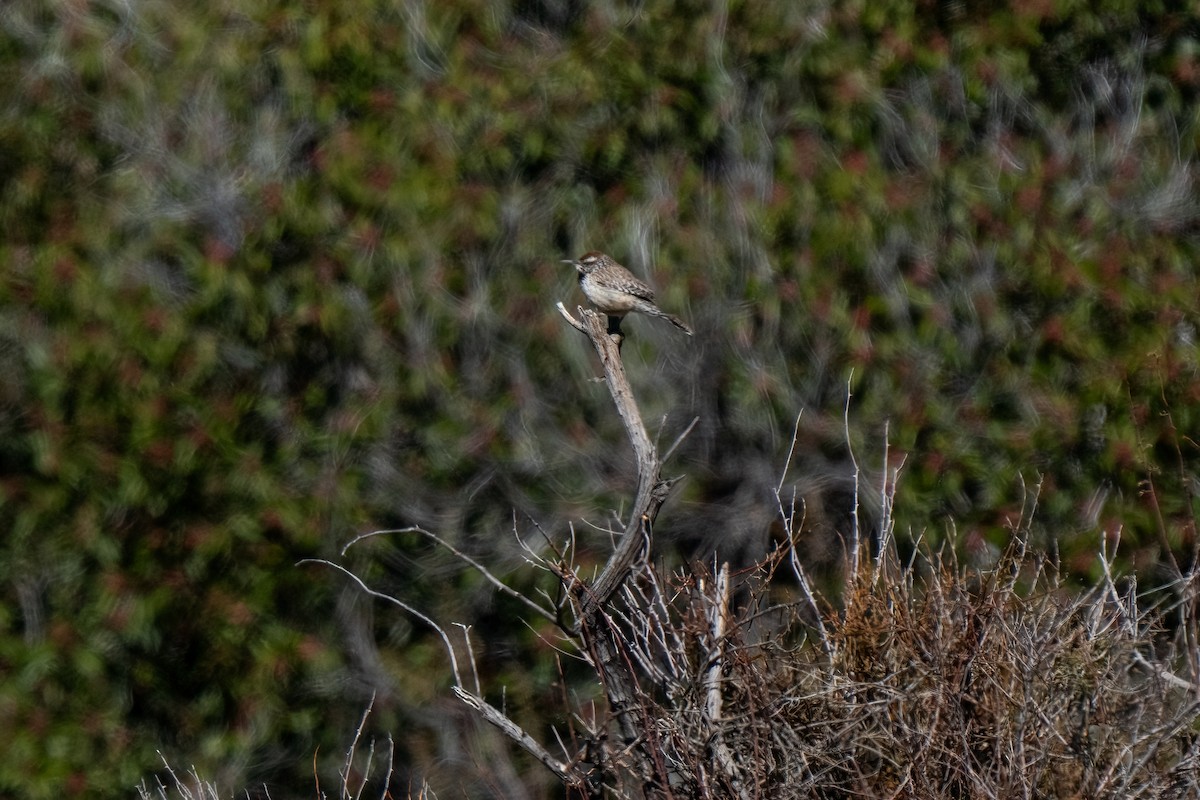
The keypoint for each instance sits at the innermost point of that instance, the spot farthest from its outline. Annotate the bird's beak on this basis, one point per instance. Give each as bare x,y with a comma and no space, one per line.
569,261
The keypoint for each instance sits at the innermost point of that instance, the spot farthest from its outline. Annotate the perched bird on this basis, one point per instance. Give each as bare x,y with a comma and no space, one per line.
615,291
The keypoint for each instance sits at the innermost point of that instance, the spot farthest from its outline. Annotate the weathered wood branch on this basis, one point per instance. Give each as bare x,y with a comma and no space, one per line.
602,637
652,490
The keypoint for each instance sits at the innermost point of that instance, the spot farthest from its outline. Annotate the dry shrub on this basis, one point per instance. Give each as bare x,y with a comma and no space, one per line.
930,681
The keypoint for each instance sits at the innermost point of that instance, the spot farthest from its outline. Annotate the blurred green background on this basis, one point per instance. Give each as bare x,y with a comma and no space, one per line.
275,274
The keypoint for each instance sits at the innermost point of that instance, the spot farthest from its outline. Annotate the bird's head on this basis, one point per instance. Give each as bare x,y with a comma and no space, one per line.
588,262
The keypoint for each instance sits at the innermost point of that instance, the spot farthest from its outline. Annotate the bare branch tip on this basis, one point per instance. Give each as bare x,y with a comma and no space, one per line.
567,315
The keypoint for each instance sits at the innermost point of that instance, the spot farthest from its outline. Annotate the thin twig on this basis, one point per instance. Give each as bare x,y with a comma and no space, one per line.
362,724
482,570
679,439
400,604
787,464
854,547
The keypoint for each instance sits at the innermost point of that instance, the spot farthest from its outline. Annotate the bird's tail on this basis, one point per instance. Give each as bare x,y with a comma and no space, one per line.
676,321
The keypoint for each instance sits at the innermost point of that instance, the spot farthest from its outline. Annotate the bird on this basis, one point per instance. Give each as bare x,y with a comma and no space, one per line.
616,291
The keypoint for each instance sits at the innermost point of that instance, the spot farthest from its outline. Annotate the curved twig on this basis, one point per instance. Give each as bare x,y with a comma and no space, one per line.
480,568
400,604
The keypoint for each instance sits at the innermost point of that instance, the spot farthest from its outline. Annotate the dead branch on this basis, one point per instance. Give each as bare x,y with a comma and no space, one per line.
571,774
652,490
602,636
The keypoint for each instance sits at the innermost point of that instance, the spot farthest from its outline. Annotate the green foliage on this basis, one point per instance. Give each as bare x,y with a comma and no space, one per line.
275,274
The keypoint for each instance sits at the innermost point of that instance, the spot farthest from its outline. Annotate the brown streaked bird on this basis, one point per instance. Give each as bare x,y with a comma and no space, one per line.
615,291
